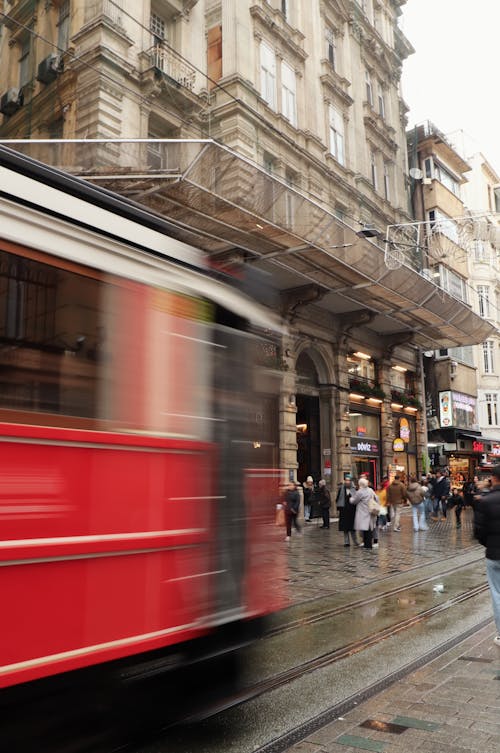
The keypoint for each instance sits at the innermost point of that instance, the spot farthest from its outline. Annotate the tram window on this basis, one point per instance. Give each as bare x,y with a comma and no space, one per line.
49,328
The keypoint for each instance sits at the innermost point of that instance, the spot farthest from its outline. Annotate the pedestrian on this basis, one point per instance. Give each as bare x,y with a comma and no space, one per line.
468,491
292,505
426,482
416,495
382,498
487,532
440,495
364,521
457,501
396,496
346,511
308,497
325,502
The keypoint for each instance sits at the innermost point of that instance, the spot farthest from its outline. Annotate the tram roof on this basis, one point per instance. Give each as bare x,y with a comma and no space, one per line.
208,196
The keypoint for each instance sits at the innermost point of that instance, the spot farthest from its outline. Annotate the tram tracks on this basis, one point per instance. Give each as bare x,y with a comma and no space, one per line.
365,601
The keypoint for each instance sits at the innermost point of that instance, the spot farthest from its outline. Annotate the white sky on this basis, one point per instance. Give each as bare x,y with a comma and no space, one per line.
452,78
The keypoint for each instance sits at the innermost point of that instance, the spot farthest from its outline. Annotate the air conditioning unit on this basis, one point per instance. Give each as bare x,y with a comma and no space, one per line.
49,68
11,101
427,181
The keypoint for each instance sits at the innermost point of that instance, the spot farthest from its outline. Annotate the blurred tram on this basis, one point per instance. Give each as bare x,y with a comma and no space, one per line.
138,465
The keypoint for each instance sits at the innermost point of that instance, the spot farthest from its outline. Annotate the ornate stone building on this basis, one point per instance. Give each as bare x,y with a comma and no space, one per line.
272,135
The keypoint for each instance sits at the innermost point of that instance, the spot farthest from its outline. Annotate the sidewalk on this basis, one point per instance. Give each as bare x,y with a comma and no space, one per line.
451,705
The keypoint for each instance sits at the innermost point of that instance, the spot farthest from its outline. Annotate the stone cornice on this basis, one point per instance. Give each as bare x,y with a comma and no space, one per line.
382,135
272,22
334,12
335,84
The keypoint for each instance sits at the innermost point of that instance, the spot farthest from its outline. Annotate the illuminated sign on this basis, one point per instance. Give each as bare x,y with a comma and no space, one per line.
404,429
398,445
361,430
445,413
458,410
364,447
477,447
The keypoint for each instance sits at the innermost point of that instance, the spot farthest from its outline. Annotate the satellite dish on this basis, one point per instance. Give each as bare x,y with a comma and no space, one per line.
416,173
428,353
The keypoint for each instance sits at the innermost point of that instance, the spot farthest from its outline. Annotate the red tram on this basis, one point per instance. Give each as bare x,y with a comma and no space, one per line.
137,449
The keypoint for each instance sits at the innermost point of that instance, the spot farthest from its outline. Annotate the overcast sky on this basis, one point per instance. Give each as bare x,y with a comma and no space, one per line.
452,78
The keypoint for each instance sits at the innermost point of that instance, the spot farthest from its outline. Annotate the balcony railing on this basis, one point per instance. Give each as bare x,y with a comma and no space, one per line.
166,61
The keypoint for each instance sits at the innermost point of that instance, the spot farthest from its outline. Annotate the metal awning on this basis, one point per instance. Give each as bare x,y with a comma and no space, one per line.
220,201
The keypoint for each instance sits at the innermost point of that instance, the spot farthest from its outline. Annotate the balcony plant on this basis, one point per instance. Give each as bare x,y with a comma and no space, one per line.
406,399
366,389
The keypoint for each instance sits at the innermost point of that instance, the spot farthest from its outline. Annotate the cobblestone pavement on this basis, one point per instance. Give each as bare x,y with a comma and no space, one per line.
452,705
320,565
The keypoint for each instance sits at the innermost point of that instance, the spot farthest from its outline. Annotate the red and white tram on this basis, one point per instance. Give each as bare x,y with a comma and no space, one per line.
137,446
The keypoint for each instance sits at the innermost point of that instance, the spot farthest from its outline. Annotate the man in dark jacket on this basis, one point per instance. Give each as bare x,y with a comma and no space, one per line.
292,505
440,494
325,502
487,532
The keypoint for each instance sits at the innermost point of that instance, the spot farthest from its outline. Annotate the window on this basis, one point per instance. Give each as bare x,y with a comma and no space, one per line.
440,223
331,50
453,283
381,101
369,89
158,28
25,62
387,181
488,362
483,294
63,26
361,368
373,166
445,177
290,178
491,400
481,252
288,93
284,8
336,127
428,167
268,75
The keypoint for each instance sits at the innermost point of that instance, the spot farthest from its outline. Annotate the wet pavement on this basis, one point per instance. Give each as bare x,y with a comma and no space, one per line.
342,595
451,704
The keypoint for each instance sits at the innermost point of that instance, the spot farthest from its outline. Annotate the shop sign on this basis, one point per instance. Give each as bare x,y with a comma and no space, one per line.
445,414
364,446
477,447
398,445
404,430
361,431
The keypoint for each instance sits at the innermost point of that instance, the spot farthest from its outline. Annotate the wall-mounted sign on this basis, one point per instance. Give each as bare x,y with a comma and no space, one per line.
404,429
445,414
477,447
398,445
366,446
458,410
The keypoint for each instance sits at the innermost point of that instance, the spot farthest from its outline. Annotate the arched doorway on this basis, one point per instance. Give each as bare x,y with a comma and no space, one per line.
308,419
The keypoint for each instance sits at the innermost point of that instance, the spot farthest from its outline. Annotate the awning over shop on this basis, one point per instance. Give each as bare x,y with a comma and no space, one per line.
219,201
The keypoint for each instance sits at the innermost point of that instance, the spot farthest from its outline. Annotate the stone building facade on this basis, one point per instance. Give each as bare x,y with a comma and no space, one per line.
272,134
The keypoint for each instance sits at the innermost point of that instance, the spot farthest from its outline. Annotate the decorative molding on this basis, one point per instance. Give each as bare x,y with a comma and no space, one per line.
273,23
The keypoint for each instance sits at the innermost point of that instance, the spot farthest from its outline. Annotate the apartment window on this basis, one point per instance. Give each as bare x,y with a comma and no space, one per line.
331,50
63,26
428,167
336,127
25,62
445,177
440,223
369,88
387,181
373,167
483,294
268,75
288,93
158,27
491,400
488,362
381,101
481,252
453,283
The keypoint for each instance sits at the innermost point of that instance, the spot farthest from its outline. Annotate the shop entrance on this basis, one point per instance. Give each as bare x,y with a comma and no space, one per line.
308,438
368,466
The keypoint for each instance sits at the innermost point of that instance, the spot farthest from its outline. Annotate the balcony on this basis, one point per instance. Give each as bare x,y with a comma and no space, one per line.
166,61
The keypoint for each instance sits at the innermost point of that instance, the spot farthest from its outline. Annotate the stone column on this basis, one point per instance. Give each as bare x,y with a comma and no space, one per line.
386,418
287,416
